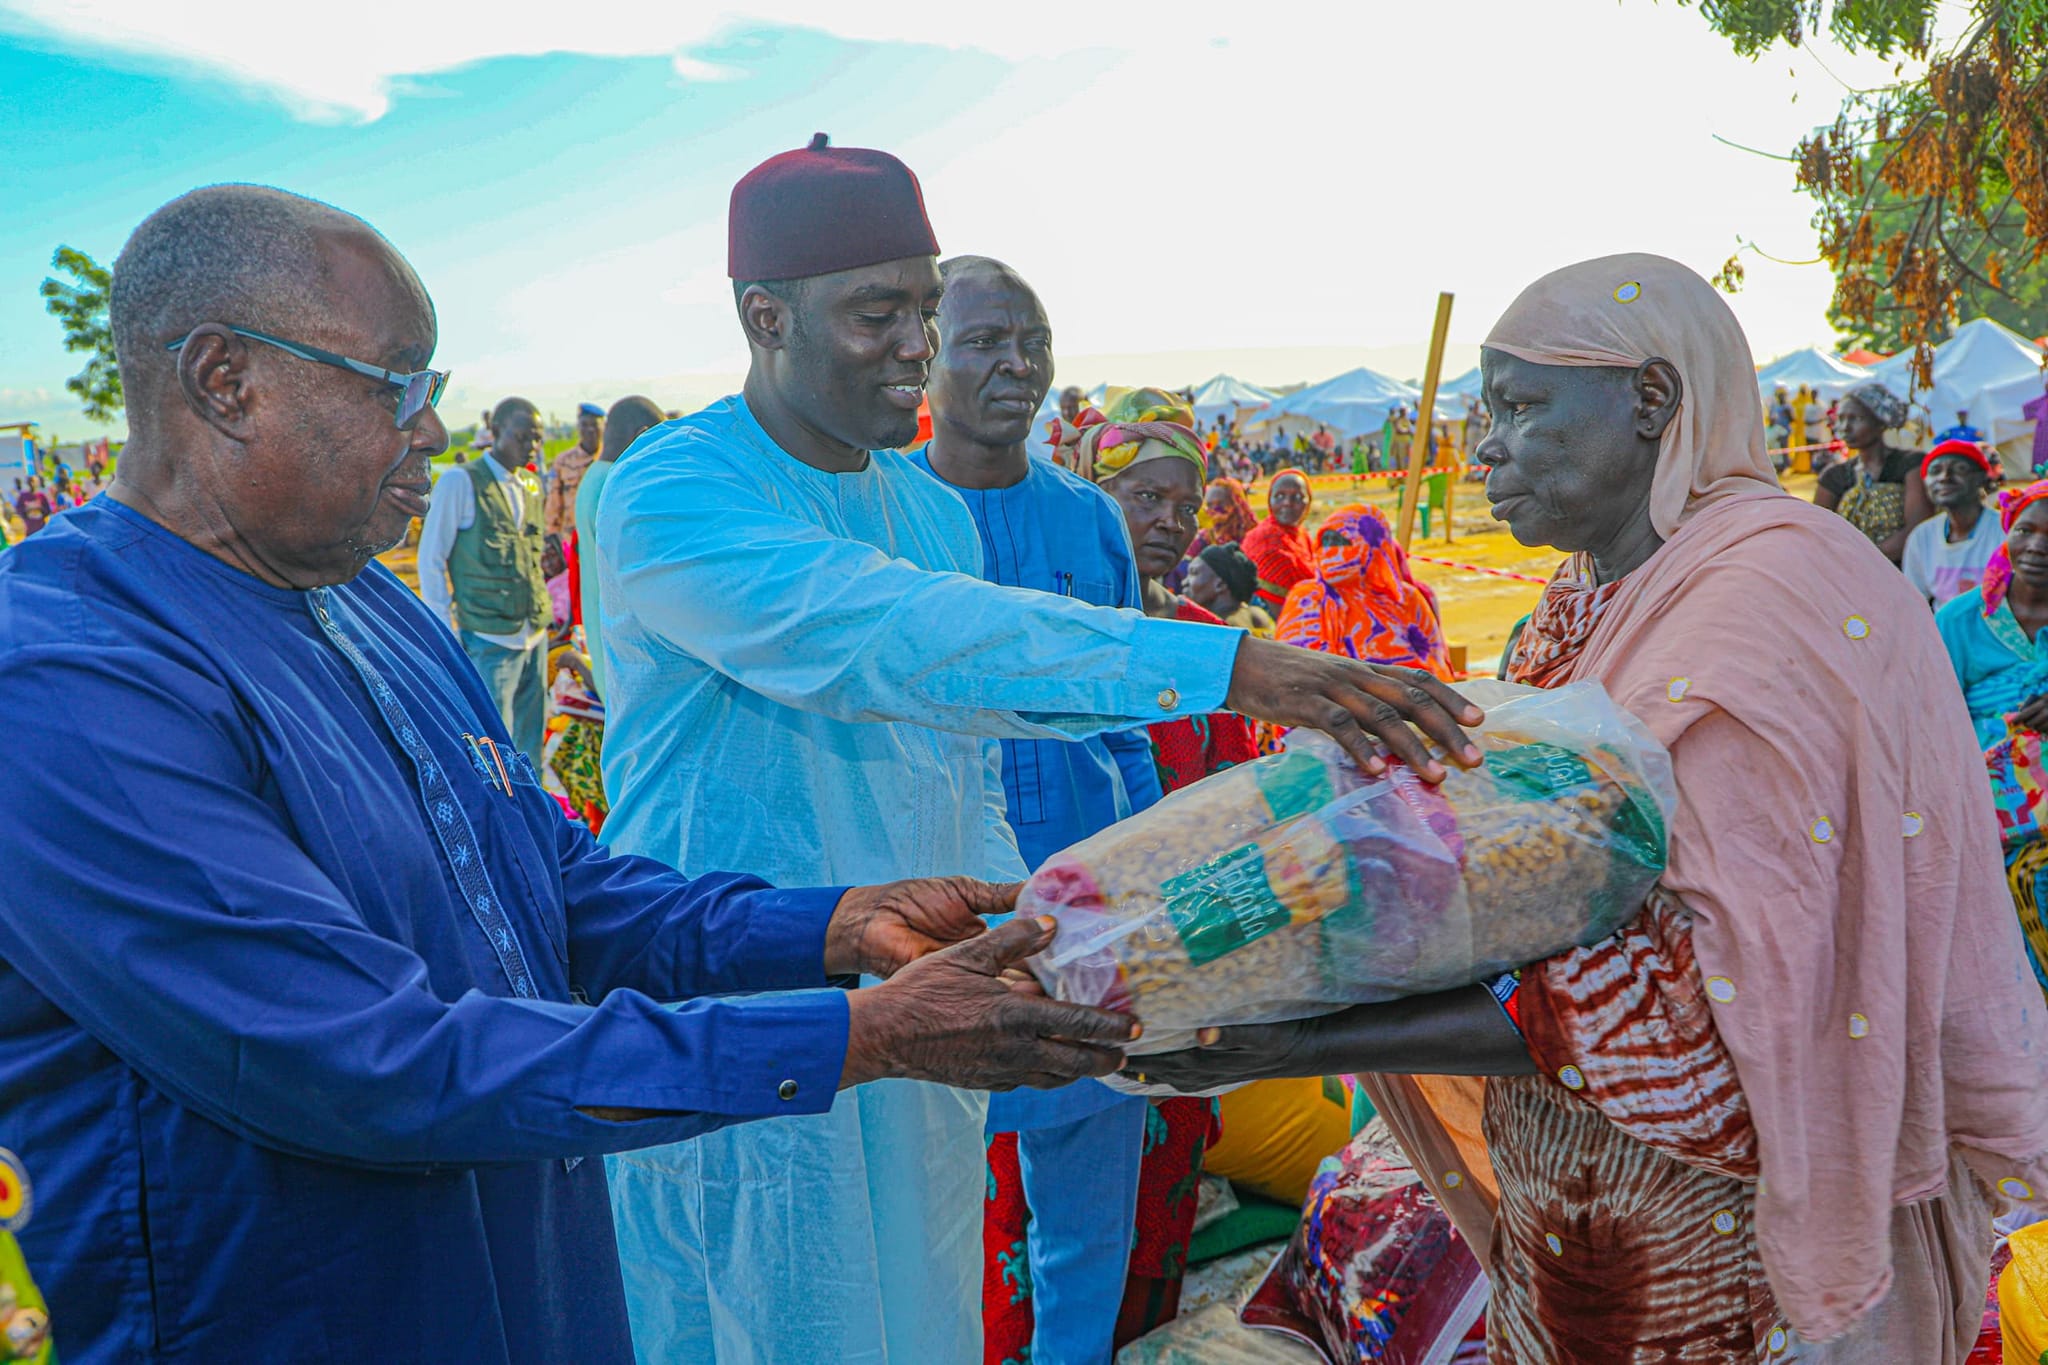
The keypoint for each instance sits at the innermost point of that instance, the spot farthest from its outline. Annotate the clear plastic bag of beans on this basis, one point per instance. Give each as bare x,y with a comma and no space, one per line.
1295,885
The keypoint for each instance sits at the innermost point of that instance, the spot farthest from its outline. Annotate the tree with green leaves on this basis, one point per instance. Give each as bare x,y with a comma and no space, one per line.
80,304
1932,191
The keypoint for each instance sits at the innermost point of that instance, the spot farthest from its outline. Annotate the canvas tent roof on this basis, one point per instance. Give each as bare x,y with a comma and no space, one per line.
1823,371
1228,395
1982,355
1997,410
1466,385
1350,404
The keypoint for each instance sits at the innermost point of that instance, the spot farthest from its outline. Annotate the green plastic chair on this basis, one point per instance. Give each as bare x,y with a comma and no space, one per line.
1435,491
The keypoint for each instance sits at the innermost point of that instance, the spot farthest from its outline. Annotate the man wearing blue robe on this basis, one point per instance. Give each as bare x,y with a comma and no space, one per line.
806,670
312,1003
1079,1147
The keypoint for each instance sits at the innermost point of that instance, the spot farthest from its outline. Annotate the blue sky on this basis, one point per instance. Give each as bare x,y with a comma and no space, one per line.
1190,188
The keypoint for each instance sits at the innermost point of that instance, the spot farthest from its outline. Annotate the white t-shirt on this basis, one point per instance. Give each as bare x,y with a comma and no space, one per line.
1939,570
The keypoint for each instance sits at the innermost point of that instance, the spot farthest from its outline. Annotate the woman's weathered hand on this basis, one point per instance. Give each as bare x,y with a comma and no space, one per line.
880,929
960,1017
1357,704
1230,1056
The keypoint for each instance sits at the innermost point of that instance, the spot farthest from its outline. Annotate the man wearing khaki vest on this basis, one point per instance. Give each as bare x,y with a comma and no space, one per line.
480,569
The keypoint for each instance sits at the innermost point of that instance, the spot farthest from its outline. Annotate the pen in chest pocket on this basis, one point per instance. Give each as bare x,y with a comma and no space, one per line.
491,767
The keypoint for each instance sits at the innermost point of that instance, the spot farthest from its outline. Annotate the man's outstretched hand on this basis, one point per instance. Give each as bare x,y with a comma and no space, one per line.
963,1016
879,930
1355,704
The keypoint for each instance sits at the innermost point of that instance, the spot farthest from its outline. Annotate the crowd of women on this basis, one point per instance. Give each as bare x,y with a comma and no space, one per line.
1985,571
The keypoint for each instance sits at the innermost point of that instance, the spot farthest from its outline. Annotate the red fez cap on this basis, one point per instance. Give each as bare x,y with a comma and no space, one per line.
825,209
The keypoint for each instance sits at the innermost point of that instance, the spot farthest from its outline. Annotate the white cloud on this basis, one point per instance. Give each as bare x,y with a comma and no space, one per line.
1202,178
340,63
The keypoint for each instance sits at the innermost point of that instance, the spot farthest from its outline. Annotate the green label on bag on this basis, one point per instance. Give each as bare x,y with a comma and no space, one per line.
1538,772
1222,905
1294,784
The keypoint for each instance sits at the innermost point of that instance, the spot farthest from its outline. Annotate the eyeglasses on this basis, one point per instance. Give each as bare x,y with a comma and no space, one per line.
418,391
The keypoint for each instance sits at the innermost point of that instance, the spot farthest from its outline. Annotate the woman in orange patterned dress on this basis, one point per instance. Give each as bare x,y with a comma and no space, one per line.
1363,601
1769,1119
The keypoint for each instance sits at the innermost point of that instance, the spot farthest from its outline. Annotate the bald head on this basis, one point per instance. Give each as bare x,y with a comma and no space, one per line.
956,271
245,255
992,370
623,425
502,414
289,464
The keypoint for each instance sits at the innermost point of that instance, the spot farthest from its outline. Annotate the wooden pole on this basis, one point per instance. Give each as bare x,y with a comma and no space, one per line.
1425,420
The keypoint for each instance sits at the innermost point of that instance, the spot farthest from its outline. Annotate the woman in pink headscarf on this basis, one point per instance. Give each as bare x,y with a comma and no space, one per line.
1770,1118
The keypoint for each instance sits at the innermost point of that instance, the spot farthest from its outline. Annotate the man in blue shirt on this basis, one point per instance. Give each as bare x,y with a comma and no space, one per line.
1077,1148
1962,431
312,1005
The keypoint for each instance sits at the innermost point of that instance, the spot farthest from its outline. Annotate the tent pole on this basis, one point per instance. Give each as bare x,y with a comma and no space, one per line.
1425,420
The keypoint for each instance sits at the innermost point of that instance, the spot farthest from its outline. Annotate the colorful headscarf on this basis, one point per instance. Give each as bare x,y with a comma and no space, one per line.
1237,520
1285,554
1998,573
1144,424
1886,406
1363,602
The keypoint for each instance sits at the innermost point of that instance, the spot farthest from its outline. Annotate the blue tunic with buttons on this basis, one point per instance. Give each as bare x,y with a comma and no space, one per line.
302,997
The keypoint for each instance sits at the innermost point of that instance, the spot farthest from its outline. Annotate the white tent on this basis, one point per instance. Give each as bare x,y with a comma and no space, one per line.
1228,396
1466,385
1351,404
1998,410
1982,355
1825,373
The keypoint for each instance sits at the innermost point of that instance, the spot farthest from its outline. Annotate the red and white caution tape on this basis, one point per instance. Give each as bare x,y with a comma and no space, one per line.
1478,568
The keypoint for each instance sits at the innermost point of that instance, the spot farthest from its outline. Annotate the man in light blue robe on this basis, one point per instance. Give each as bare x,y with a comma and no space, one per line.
806,671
